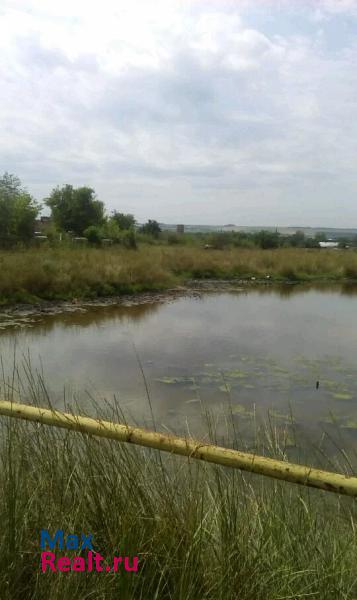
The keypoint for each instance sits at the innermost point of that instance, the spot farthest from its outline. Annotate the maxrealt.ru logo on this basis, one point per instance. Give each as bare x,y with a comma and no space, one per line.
83,543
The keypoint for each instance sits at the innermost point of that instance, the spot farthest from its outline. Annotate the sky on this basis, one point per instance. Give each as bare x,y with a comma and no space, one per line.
186,111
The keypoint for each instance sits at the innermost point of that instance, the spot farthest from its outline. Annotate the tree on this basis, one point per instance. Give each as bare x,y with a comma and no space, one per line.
267,239
18,211
75,209
152,227
297,240
128,239
93,234
219,240
124,221
320,237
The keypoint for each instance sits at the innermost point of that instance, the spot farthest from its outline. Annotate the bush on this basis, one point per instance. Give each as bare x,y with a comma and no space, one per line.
152,228
173,239
128,239
219,241
94,235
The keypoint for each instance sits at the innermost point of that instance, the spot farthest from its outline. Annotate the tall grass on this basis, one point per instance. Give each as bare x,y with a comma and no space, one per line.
201,532
60,273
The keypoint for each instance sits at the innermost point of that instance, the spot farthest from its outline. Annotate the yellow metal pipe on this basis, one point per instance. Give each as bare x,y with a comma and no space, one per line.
303,475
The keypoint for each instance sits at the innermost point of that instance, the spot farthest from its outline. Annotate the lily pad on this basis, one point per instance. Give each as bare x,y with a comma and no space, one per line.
350,424
225,388
235,374
342,396
174,380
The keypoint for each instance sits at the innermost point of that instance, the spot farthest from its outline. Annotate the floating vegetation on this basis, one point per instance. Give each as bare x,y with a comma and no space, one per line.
330,384
225,388
342,396
169,380
280,370
235,374
208,377
278,384
349,424
175,380
281,416
345,422
239,409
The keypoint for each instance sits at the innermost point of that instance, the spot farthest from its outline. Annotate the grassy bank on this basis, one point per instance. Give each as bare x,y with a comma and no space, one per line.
200,532
90,272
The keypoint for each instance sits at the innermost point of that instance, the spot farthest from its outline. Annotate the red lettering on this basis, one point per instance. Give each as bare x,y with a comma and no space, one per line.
78,564
48,559
97,559
117,561
64,564
135,564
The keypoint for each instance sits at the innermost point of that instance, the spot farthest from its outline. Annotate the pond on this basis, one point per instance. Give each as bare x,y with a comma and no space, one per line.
286,356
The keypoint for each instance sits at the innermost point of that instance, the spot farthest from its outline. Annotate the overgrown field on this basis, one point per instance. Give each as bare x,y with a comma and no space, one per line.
200,532
90,272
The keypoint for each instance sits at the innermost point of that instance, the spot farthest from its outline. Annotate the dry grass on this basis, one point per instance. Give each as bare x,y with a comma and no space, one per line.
90,272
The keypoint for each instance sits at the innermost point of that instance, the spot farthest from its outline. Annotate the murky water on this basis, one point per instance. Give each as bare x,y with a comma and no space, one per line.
258,353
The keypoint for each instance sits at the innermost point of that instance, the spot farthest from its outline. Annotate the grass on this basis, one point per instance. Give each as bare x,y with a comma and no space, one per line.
200,532
65,273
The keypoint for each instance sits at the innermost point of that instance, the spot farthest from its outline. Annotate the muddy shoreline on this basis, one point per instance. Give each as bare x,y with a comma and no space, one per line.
56,307
21,314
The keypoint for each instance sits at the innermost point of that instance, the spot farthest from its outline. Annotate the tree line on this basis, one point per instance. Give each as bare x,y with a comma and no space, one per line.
78,213
74,211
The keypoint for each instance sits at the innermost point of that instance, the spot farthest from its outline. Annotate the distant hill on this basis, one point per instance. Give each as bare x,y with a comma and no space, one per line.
330,232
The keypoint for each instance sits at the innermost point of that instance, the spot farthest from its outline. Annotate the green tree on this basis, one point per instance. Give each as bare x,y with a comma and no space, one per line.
94,235
129,239
18,211
219,240
297,240
321,237
152,227
75,209
124,221
267,239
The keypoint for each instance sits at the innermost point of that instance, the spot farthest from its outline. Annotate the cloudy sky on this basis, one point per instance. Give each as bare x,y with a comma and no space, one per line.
190,111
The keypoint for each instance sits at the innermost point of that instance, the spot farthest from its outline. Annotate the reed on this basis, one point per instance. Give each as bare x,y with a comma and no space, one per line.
200,531
184,446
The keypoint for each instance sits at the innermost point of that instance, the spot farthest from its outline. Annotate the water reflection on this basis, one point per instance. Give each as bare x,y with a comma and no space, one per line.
287,290
91,317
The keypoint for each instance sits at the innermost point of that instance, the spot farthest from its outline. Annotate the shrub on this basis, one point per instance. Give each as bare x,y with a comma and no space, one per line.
93,235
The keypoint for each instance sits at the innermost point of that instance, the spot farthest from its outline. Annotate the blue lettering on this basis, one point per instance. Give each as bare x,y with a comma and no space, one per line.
87,542
46,539
72,542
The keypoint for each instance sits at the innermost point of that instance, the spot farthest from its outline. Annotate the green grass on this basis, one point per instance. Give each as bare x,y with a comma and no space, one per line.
65,273
201,532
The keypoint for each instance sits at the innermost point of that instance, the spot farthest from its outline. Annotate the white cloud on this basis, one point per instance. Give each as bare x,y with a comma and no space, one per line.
179,110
